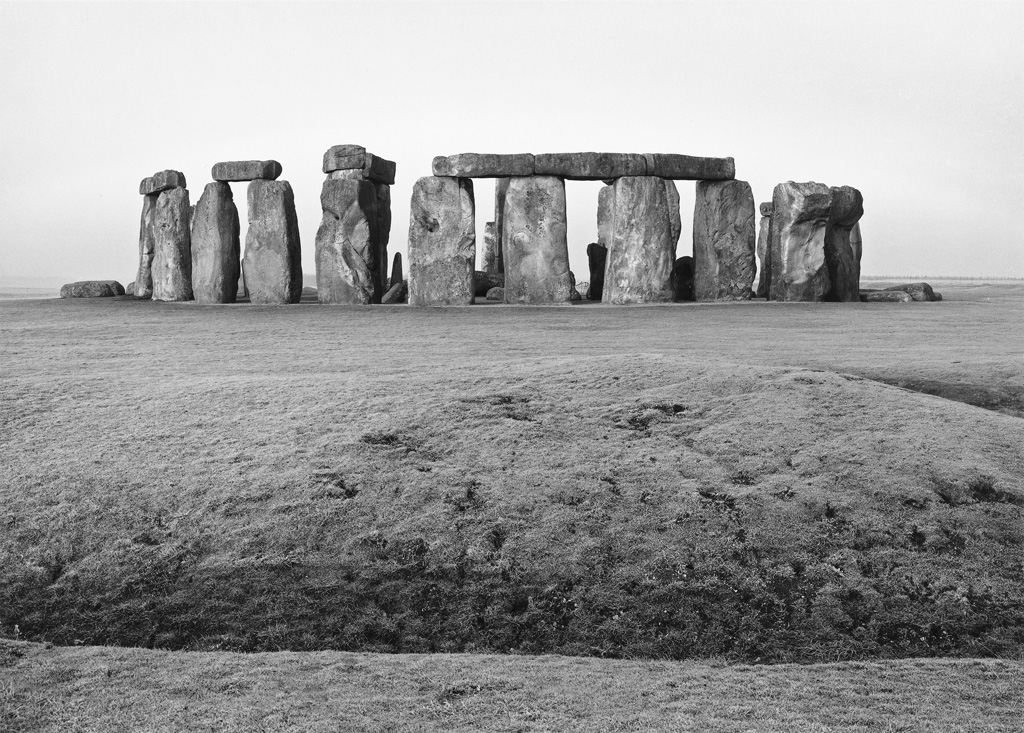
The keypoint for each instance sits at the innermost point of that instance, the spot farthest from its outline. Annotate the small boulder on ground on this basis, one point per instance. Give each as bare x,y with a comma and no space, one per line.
885,296
397,293
92,289
917,291
497,294
130,290
485,281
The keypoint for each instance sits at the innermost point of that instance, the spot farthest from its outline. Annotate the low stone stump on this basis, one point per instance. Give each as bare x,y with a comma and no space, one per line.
761,291
347,244
92,289
216,247
147,248
534,242
397,275
442,242
917,291
273,256
489,251
842,256
496,295
246,170
486,281
352,161
483,165
642,250
597,259
172,247
396,294
796,247
724,243
885,296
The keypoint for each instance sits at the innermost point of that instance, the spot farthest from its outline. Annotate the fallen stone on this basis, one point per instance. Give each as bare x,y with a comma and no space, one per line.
357,163
147,248
347,244
917,291
489,253
842,256
885,296
216,246
485,281
383,191
642,252
682,280
246,170
724,243
396,271
92,289
172,248
796,243
129,289
761,291
605,210
442,242
397,293
273,255
590,166
500,188
534,242
162,181
483,165
497,294
597,258
689,168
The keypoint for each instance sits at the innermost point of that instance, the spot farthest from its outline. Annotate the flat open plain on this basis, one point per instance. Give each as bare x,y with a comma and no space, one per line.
740,482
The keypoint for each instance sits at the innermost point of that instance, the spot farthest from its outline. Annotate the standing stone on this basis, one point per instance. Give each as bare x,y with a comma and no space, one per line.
347,244
675,219
500,189
534,242
396,271
856,244
489,255
762,249
172,250
383,191
597,258
605,206
642,252
273,256
682,280
147,247
442,242
723,241
243,291
842,257
796,242
215,246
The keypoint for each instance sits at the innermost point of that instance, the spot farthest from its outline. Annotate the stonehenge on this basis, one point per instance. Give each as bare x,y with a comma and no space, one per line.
761,291
723,241
216,247
642,248
273,265
442,242
348,250
842,256
172,246
796,242
534,242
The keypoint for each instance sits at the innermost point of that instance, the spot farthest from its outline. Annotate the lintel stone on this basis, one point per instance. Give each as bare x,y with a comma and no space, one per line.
590,166
246,170
162,181
484,165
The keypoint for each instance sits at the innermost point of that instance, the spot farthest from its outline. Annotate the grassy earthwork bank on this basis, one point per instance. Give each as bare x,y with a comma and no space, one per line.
751,483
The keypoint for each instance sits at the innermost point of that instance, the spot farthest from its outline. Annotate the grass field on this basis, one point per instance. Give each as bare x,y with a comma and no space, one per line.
750,482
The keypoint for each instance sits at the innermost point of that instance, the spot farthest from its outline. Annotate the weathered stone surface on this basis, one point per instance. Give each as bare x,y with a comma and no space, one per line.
172,249
162,181
500,188
856,244
243,291
383,191
765,208
689,167
574,294
642,250
675,219
273,255
605,211
147,248
344,157
483,165
885,296
397,293
347,244
796,242
362,164
534,242
92,289
379,170
682,280
761,291
496,294
246,170
842,257
724,242
397,275
216,246
442,242
129,289
590,166
489,253
597,258
484,281
917,291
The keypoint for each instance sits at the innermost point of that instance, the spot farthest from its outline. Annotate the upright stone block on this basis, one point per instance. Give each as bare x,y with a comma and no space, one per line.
172,255
442,242
724,242
347,244
500,189
642,249
534,242
796,243
216,247
605,204
597,259
842,255
147,247
273,256
383,191
675,220
397,275
762,250
489,255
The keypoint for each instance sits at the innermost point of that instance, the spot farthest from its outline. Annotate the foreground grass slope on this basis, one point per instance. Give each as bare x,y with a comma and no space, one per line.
660,482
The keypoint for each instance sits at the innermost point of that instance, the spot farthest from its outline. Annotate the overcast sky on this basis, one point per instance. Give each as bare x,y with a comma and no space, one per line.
919,105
